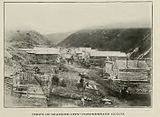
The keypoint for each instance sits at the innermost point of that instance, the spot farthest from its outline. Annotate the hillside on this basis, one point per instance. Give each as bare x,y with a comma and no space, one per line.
25,39
56,38
14,58
125,40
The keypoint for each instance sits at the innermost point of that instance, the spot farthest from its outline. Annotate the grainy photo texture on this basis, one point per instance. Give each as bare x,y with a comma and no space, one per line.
78,55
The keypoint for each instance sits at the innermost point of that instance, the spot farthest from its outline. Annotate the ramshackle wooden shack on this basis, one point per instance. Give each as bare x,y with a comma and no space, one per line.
128,70
132,75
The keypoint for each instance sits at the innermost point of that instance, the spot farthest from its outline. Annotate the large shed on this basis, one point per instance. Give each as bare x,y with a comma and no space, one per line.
43,55
105,54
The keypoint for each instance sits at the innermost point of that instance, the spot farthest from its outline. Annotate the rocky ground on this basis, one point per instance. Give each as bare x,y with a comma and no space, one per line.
69,95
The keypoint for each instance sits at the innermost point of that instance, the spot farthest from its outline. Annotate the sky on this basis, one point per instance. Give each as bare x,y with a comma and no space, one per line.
65,17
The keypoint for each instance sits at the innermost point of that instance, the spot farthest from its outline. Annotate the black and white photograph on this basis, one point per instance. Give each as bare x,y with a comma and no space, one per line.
78,55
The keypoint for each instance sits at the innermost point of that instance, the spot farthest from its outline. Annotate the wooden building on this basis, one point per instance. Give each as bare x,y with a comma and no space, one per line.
128,70
43,55
108,54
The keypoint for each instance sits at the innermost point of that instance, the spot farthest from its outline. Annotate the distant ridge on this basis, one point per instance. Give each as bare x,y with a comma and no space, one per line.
125,39
56,38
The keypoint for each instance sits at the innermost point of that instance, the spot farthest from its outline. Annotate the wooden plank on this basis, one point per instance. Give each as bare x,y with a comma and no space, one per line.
136,81
25,92
36,96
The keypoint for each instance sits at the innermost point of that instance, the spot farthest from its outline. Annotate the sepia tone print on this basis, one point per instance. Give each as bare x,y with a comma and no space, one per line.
78,55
